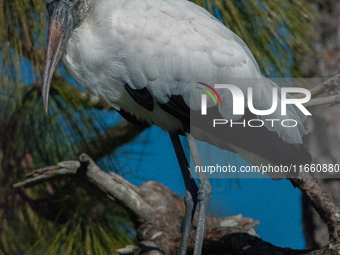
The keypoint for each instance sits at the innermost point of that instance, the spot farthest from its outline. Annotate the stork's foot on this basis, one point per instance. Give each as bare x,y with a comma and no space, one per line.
204,195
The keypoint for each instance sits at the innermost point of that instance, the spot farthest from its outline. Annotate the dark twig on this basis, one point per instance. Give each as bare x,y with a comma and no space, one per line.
332,84
332,100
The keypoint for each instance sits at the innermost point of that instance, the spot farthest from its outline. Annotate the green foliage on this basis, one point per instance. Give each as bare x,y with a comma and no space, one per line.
78,220
22,38
40,222
273,30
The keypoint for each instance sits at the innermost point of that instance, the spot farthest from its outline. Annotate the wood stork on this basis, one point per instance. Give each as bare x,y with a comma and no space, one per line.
146,58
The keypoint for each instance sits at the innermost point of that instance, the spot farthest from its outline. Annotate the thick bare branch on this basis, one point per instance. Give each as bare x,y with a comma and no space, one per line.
111,184
121,192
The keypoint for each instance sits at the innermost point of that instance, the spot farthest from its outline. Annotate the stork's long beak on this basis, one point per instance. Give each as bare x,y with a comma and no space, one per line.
60,28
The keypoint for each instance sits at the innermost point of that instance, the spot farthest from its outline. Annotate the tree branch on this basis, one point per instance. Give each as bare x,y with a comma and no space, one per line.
159,212
331,86
328,86
322,203
332,100
111,184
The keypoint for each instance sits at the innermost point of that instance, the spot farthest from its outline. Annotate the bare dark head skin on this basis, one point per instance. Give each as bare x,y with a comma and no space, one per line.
65,16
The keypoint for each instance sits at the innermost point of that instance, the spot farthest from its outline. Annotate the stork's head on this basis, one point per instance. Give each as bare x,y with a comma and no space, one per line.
65,16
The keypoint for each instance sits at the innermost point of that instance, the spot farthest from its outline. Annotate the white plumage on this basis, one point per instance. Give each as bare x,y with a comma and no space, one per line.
166,46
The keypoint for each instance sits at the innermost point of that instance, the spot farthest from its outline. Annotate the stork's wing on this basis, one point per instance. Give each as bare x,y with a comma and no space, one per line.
169,50
165,50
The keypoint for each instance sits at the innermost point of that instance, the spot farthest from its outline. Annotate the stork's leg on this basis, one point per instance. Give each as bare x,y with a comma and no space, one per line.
203,196
190,198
